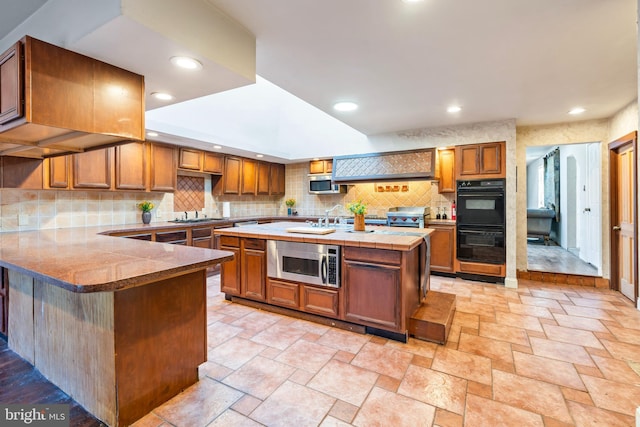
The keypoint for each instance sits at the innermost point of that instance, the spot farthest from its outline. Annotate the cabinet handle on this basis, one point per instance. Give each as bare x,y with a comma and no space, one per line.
616,228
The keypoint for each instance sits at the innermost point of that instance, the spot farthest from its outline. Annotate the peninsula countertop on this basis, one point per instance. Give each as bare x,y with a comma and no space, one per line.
379,237
81,260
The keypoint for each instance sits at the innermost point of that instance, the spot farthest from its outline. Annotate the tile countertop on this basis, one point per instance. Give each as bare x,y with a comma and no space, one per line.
382,237
81,260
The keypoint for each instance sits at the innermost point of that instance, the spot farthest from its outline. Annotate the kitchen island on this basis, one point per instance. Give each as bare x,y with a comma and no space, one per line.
384,275
118,324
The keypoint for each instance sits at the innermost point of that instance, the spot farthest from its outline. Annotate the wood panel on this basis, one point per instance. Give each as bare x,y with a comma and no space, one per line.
282,293
163,175
24,173
467,158
277,178
160,341
213,163
446,163
4,301
249,176
479,161
20,321
190,159
480,268
490,159
253,269
57,171
11,84
92,169
230,271
232,175
263,186
442,248
320,301
131,166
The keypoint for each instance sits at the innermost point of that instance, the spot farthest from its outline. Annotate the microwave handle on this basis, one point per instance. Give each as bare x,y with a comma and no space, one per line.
323,269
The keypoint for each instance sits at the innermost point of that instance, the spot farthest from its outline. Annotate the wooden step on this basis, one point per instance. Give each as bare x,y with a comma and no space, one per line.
432,320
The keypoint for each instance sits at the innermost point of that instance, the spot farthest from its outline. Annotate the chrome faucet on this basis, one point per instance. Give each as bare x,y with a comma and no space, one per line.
326,214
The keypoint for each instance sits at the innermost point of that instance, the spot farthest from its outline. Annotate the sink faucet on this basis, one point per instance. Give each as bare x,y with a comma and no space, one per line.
196,214
326,214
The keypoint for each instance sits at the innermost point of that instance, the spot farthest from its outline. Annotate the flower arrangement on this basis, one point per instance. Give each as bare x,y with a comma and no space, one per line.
146,206
357,207
290,202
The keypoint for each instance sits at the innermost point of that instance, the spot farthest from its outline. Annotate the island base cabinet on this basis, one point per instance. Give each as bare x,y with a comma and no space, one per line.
283,294
119,354
230,270
320,301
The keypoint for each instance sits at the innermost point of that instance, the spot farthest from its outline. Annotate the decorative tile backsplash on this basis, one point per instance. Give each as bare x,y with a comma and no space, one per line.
189,195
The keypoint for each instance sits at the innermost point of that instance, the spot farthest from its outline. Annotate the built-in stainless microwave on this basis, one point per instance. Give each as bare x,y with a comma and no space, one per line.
321,184
311,263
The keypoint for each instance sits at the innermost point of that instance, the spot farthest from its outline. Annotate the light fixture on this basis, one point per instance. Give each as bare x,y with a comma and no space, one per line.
186,62
217,147
162,96
345,106
412,1
260,155
576,110
454,109
152,133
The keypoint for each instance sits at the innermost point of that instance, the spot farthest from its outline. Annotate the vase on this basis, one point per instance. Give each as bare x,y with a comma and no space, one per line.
289,211
358,222
146,217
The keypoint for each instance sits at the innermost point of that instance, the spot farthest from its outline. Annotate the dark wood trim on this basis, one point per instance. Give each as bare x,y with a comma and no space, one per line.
614,148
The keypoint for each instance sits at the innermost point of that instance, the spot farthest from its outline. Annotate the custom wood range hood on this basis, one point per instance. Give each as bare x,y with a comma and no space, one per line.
389,166
54,101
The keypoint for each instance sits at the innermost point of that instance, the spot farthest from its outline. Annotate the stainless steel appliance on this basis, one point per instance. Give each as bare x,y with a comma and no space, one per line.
480,222
370,220
311,263
321,184
408,216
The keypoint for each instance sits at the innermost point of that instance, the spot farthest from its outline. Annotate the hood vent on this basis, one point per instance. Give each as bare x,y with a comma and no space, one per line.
391,166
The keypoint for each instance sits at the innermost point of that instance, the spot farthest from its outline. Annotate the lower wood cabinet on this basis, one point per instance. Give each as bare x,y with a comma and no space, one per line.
230,270
322,301
253,262
284,294
4,301
443,245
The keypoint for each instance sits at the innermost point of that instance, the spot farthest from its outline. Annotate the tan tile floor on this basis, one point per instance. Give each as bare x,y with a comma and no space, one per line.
540,355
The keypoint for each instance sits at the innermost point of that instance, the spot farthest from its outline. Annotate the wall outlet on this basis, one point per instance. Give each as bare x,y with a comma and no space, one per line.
23,219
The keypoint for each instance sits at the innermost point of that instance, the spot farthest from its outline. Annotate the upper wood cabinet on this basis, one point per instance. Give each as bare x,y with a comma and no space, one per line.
92,169
18,172
131,166
57,172
480,160
321,166
446,171
162,171
200,161
231,176
213,163
277,179
263,186
249,176
64,101
190,159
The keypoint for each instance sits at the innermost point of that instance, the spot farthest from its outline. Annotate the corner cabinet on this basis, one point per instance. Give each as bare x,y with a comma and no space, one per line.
478,161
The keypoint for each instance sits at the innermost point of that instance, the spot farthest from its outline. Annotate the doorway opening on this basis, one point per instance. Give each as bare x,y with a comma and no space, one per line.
564,209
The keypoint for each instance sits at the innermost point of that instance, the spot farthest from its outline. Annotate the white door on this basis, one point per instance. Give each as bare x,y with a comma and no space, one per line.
593,208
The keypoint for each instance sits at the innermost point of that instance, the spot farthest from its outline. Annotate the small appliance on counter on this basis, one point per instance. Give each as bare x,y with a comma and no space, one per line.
408,216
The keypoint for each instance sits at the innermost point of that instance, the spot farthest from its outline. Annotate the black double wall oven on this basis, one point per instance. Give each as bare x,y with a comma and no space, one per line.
480,221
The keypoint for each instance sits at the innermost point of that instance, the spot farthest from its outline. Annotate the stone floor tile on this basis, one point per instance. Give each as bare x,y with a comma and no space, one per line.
199,404
259,377
617,370
572,336
611,395
221,332
576,395
344,356
445,418
549,370
585,323
425,362
475,308
561,351
383,360
481,346
621,350
414,346
278,336
503,366
530,310
383,408
530,323
343,411
344,340
504,333
307,355
466,319
312,327
246,404
435,388
629,318
345,382
486,412
270,352
235,352
302,377
330,421
213,370
388,383
588,370
590,416
150,420
293,405
465,365
257,320
529,394
594,303
539,302
480,389
232,418
630,336
594,313
555,295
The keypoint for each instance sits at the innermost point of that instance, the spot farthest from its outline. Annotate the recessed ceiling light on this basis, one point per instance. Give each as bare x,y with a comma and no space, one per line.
412,1
152,133
217,147
577,110
454,109
260,155
162,96
186,62
345,106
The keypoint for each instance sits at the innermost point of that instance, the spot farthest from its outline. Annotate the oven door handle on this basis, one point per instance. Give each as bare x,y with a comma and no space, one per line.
479,194
493,233
323,269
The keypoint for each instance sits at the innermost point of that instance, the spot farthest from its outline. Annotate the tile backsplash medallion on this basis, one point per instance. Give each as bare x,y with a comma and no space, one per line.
47,209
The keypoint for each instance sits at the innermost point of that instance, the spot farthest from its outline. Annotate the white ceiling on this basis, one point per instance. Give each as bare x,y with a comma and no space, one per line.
404,63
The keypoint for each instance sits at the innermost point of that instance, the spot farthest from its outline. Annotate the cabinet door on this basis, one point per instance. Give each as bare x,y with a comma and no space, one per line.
446,162
264,175
254,269
92,169
231,176
131,166
467,159
442,248
284,294
320,301
163,175
316,166
277,179
490,158
230,274
19,172
11,84
213,163
328,166
249,176
372,294
58,176
190,159
4,302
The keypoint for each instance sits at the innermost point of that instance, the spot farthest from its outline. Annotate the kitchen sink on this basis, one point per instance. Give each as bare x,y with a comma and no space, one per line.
191,220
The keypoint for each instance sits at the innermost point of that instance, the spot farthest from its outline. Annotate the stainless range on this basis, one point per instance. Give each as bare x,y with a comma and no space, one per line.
408,216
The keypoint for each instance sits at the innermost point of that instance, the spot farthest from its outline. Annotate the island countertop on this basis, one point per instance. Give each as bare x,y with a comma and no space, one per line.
379,237
81,260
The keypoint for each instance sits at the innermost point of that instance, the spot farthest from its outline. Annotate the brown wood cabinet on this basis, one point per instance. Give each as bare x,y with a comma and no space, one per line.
231,177
443,244
284,294
190,159
92,169
57,172
477,161
263,186
277,179
230,271
4,302
131,166
213,163
162,169
249,177
253,268
11,84
200,161
322,301
372,287
447,171
321,166
19,172
497,270
202,237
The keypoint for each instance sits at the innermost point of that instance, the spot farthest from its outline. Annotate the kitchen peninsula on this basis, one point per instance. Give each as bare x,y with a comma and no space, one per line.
118,324
381,275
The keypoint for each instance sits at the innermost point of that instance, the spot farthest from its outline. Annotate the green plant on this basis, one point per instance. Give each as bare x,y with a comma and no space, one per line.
357,207
290,202
146,206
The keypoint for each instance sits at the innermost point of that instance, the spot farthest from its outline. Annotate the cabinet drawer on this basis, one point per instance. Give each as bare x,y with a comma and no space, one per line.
172,237
320,301
479,268
146,236
198,233
232,241
258,244
204,242
378,256
283,294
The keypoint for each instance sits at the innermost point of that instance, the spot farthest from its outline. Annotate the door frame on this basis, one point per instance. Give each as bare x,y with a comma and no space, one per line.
614,147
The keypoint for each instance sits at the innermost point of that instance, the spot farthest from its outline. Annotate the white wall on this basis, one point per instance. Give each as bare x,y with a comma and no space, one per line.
532,184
